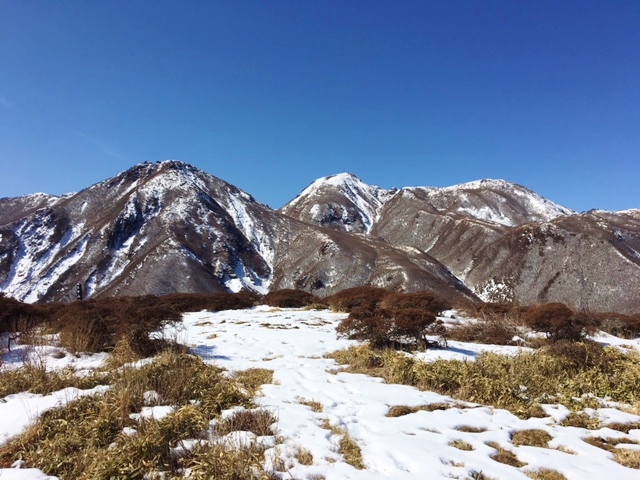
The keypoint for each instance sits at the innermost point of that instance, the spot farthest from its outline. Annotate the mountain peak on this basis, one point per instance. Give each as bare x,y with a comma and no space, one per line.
341,201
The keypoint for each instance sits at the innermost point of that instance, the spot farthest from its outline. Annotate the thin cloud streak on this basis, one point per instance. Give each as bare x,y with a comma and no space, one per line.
4,102
106,149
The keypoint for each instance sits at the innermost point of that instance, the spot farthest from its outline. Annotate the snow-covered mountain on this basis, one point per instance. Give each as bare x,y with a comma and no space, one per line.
503,240
342,202
202,232
167,226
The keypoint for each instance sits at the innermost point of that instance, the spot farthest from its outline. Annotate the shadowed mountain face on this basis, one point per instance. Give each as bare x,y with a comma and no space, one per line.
503,240
167,227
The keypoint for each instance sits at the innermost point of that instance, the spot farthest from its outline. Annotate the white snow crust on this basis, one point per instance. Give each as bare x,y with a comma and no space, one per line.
293,342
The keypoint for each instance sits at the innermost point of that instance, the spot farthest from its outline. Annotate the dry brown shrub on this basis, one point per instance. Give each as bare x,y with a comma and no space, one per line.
560,322
623,326
215,302
425,301
366,297
399,321
580,355
289,298
491,332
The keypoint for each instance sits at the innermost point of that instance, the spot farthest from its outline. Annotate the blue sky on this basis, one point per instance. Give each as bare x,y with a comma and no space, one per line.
270,95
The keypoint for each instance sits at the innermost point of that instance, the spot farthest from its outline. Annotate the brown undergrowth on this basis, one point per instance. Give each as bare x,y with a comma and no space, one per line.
108,441
518,383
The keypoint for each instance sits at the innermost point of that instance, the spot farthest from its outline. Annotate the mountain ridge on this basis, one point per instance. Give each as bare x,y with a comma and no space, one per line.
168,226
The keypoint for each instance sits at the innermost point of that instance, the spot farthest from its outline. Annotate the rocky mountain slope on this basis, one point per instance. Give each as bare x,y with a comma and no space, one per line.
167,226
503,240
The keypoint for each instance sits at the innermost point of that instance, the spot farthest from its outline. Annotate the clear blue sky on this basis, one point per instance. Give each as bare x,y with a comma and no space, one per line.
270,95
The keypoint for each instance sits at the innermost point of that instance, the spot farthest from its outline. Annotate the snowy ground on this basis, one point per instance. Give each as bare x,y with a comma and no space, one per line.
292,343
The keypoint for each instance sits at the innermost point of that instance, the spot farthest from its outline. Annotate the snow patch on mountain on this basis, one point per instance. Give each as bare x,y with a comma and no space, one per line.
258,237
536,205
36,263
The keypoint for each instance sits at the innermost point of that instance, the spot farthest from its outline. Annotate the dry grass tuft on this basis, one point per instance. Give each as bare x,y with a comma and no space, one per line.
518,383
304,456
350,450
531,438
581,420
253,378
312,404
317,306
564,449
96,447
505,456
218,462
623,427
624,456
461,445
475,475
545,474
258,421
608,443
627,457
401,410
33,377
470,429
348,446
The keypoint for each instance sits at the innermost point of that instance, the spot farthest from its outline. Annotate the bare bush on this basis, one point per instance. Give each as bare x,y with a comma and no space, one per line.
623,326
289,298
560,322
492,332
398,321
357,297
425,301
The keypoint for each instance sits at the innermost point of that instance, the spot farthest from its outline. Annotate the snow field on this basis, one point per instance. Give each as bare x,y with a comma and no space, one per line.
314,400
292,343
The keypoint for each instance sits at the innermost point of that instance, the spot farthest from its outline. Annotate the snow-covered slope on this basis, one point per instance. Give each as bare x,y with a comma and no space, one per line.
494,201
157,227
429,443
344,202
